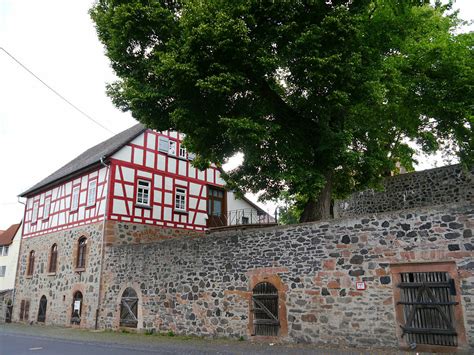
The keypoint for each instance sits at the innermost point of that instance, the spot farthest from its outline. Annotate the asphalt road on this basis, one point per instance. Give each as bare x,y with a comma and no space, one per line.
40,340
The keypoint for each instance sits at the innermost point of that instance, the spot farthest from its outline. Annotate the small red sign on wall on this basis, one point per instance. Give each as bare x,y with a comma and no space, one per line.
361,285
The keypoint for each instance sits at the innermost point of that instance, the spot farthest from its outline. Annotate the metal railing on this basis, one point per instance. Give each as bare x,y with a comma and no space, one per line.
245,216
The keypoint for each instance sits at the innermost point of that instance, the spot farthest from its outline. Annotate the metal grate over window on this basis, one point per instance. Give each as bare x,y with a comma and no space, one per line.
265,310
428,307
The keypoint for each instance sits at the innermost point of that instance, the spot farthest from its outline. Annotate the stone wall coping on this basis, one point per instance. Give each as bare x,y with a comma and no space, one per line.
348,220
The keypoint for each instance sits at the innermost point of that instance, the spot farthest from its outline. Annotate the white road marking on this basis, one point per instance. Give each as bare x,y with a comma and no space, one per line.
32,349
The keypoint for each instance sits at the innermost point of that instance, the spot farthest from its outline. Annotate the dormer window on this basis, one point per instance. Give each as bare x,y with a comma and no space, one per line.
172,148
182,152
163,144
143,192
75,198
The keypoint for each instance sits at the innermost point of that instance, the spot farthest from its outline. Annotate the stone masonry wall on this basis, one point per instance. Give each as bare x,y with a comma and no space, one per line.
60,286
6,297
449,184
202,284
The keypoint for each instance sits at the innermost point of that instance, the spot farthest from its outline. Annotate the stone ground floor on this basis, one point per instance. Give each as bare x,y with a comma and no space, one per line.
23,339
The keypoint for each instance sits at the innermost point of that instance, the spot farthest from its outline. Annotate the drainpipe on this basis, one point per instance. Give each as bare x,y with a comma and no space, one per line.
102,162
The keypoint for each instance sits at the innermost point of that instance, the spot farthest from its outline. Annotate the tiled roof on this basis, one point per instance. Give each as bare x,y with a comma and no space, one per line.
89,158
6,238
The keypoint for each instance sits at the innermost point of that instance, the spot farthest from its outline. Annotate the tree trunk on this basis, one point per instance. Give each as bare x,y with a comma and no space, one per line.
319,207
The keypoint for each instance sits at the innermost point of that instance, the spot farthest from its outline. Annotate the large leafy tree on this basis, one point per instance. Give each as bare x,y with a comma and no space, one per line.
320,96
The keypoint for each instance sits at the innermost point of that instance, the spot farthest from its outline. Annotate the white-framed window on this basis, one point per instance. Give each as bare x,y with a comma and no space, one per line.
180,199
1,250
3,270
34,214
75,198
91,193
172,148
163,144
4,250
143,192
47,207
182,152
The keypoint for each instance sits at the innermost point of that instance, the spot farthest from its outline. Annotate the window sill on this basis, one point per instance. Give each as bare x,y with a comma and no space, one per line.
79,269
147,207
90,206
180,211
28,276
51,273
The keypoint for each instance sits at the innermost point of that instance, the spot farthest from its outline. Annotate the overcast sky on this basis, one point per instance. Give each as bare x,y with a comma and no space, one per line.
38,132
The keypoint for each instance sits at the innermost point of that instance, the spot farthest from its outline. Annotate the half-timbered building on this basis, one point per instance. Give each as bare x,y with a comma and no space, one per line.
139,177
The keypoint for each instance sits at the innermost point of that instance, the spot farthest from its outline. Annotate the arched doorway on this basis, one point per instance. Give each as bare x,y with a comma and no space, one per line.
76,308
129,308
42,309
265,310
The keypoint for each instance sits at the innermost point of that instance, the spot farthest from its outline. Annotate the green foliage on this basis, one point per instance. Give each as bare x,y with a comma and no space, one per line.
305,89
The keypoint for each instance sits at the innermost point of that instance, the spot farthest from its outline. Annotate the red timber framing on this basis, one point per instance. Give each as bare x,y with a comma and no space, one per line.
142,159
60,215
161,171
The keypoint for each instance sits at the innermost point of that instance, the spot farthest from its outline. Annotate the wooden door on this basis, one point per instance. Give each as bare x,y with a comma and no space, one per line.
216,207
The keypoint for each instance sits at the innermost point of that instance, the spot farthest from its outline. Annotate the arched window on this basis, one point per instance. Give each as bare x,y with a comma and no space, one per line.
53,258
31,263
76,308
81,253
265,310
129,308
42,309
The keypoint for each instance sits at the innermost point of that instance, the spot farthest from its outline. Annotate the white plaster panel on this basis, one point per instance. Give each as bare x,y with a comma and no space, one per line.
138,156
157,196
161,162
180,182
146,213
191,216
150,159
182,167
201,218
102,174
62,218
128,174
236,204
219,180
81,213
156,212
176,218
118,189
151,141
137,212
172,165
200,175
192,171
129,191
168,198
167,214
41,201
168,183
82,197
144,174
194,189
210,175
68,188
119,207
84,181
192,203
54,194
173,134
124,154
139,140
130,205
93,175
202,205
158,181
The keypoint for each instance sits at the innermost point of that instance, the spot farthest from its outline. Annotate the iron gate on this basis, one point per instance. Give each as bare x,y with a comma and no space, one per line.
129,308
265,310
427,299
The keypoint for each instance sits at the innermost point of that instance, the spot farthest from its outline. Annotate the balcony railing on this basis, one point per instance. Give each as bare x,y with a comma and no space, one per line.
242,217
